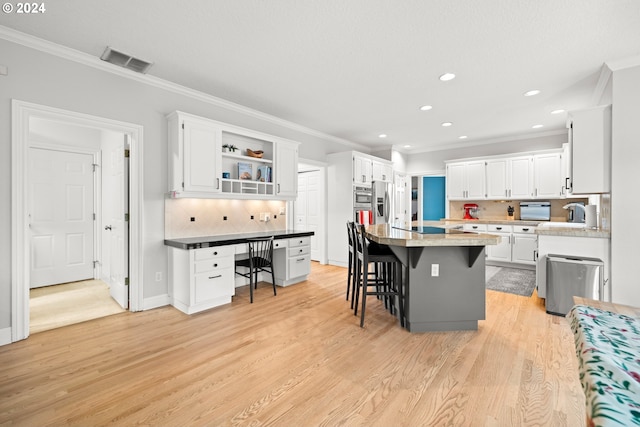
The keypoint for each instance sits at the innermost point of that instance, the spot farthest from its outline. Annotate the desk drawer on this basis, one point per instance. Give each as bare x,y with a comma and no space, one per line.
298,250
280,243
212,253
212,265
214,285
299,266
299,241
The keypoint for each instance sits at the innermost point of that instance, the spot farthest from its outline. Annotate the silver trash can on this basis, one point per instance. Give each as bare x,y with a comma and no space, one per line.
569,276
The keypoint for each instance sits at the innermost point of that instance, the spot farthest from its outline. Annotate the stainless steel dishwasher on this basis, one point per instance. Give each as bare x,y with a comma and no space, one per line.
569,276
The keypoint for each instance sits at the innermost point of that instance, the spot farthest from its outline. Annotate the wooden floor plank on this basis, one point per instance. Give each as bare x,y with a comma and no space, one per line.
299,358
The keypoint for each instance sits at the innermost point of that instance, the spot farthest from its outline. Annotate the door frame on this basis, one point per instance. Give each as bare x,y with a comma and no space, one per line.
21,112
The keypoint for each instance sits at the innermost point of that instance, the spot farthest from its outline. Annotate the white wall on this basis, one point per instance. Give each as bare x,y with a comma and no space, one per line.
433,161
38,77
625,197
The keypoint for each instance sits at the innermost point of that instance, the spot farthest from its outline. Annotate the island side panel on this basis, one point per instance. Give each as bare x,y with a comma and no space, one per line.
454,300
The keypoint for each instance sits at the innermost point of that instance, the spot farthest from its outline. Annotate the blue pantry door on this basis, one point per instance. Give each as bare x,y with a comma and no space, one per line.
433,198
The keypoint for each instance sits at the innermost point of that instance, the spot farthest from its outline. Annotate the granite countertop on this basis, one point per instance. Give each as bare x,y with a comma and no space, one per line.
573,232
427,234
491,221
555,230
231,239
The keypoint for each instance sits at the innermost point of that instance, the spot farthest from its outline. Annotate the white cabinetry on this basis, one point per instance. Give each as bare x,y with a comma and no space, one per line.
381,171
286,170
466,180
590,148
197,161
201,278
501,251
549,181
518,244
362,169
292,260
510,177
521,177
194,155
524,245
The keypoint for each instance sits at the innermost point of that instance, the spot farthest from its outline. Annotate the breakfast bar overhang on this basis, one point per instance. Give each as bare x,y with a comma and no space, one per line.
444,274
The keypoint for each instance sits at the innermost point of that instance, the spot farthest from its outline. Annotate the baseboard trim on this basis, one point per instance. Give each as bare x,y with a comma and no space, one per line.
155,302
5,336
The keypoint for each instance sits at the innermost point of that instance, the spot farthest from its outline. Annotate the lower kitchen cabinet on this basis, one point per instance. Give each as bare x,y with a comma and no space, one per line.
524,245
292,263
501,251
201,278
518,244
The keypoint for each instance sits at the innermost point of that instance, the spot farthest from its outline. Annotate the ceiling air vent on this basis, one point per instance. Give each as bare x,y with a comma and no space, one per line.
126,61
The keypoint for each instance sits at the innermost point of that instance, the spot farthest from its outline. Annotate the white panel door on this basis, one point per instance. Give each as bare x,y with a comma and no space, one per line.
115,229
307,208
61,203
313,211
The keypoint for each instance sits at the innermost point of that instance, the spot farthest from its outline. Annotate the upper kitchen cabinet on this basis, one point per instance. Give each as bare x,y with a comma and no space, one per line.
209,159
510,177
466,180
549,180
194,155
286,170
381,171
590,150
362,169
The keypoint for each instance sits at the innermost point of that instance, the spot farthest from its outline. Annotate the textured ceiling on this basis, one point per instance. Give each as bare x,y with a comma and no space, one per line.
355,69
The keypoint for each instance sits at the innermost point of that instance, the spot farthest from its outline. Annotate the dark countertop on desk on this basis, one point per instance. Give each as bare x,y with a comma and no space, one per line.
231,239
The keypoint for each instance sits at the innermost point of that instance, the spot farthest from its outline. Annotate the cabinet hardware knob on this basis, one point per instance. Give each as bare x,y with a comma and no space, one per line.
525,229
215,253
215,265
498,228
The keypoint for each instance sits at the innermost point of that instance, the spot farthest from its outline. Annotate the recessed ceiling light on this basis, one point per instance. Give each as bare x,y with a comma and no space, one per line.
532,92
447,76
426,107
462,137
382,135
447,124
407,146
537,126
557,111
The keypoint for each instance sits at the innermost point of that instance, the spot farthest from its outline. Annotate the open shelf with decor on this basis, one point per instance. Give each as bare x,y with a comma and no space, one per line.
247,165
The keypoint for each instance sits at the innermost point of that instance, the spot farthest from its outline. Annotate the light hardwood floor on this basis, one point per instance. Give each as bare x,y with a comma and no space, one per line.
55,306
298,359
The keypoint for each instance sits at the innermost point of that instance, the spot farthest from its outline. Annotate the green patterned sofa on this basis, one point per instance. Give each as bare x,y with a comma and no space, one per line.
608,350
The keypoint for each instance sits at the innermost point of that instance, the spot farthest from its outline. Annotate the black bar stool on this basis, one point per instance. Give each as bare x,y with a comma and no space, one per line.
387,282
260,259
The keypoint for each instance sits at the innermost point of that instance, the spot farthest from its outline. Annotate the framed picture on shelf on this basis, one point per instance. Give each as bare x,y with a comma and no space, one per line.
245,170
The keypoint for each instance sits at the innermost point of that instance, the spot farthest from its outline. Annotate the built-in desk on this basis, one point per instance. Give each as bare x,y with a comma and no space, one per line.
444,277
202,269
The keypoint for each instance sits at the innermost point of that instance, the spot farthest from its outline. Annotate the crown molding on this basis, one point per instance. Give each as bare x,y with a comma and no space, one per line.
83,58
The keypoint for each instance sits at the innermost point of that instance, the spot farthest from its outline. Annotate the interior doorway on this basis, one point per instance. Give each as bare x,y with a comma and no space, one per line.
46,128
309,208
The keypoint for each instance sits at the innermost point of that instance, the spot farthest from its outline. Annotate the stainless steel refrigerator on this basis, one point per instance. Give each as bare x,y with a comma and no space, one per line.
382,202
569,276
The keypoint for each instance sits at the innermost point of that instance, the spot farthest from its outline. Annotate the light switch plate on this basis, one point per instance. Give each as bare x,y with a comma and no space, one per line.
435,270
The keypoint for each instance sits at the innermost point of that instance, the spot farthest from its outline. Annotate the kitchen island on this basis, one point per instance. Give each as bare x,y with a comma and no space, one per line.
444,274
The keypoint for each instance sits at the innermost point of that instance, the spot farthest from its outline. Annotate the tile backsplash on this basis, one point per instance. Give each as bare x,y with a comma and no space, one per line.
497,210
209,217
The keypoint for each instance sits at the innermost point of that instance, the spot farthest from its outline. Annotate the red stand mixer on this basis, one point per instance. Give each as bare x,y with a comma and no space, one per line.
470,211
